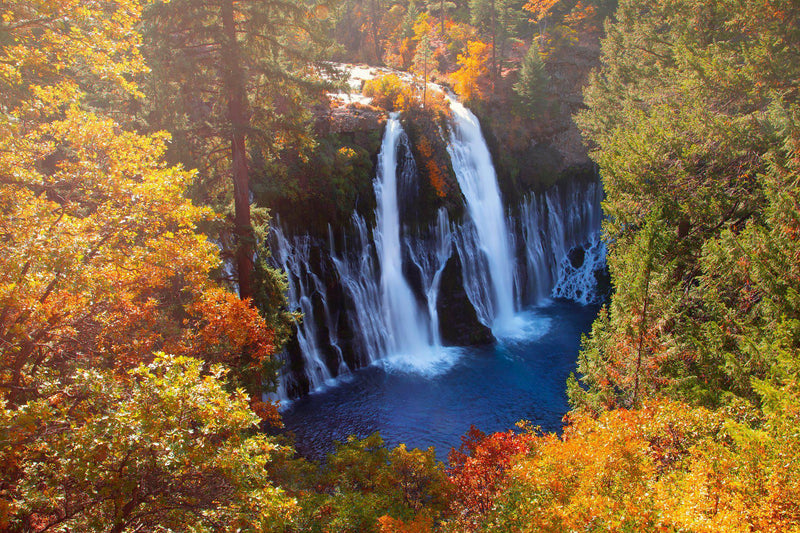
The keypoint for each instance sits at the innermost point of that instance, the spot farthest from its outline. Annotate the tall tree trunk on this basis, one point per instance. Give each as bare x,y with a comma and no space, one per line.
376,32
640,347
425,76
494,47
239,122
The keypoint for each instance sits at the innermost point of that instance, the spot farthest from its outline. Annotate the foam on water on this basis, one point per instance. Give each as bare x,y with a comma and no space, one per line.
526,325
432,362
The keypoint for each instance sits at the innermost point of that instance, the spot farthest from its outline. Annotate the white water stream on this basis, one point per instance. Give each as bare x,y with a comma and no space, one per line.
397,325
408,330
476,176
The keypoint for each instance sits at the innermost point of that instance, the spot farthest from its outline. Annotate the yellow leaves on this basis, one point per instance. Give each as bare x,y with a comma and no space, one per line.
470,78
110,238
389,92
422,26
55,43
346,153
420,524
539,9
665,467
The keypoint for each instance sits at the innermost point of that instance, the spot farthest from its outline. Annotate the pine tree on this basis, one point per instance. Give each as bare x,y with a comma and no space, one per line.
231,79
440,8
533,80
688,115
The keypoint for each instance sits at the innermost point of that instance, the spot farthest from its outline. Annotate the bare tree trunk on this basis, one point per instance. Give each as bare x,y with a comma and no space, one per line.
237,115
640,347
494,47
425,76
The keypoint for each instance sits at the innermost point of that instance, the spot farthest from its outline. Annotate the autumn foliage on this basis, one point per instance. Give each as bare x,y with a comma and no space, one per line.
389,92
471,79
102,265
435,173
479,471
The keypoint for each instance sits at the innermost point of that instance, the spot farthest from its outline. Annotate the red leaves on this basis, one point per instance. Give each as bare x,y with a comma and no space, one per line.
478,467
228,330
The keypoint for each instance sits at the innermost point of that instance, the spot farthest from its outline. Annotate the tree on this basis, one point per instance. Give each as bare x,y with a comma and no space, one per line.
366,487
232,79
497,20
533,80
540,10
165,448
479,470
363,26
441,7
100,245
484,14
471,77
422,57
101,264
682,139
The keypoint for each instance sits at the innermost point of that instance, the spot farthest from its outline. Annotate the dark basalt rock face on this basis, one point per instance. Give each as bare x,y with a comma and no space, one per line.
577,256
458,321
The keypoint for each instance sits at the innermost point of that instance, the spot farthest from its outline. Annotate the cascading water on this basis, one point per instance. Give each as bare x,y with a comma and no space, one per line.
359,274
406,325
431,259
549,248
490,242
561,236
303,286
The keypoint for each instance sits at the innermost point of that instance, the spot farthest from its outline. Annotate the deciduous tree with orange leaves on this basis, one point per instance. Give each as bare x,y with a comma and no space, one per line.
472,78
101,265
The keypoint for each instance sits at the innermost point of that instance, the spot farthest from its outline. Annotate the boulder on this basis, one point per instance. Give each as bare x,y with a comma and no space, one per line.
458,320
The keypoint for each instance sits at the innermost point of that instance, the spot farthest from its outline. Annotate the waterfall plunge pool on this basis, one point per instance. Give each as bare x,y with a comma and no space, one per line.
428,401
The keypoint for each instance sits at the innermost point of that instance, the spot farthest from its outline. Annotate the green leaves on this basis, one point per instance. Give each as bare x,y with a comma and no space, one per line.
686,124
165,447
533,79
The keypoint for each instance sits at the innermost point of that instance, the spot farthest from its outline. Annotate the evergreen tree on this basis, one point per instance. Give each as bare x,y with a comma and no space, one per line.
440,8
498,20
688,114
531,87
232,79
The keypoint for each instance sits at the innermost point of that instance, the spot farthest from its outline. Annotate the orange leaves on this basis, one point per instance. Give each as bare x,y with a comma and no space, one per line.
598,475
101,258
665,467
583,18
435,173
471,78
227,327
539,9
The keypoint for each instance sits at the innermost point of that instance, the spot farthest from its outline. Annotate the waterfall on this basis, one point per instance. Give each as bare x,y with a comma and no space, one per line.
359,274
430,257
475,173
303,287
560,230
407,330
370,295
387,321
